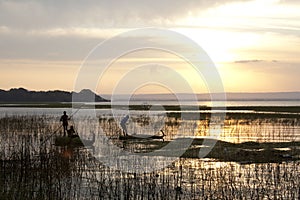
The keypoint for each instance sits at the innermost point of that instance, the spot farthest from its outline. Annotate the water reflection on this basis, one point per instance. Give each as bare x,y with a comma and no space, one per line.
234,130
32,167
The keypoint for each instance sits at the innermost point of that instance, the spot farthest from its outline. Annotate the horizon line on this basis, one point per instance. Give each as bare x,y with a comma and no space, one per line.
226,92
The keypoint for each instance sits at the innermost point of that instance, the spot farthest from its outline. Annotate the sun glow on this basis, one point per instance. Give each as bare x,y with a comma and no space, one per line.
152,63
228,31
247,40
220,45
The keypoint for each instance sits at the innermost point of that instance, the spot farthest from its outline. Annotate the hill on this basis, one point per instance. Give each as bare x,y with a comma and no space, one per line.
23,95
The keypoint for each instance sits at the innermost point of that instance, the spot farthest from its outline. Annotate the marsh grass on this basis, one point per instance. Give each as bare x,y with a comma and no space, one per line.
31,167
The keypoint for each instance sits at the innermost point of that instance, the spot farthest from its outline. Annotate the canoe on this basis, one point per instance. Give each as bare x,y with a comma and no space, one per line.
68,141
142,136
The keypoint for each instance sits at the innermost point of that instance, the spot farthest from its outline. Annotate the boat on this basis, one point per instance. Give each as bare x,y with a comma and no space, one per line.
68,141
142,136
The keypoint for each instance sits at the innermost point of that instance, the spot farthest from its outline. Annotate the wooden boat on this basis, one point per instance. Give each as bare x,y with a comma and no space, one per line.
73,140
68,141
141,137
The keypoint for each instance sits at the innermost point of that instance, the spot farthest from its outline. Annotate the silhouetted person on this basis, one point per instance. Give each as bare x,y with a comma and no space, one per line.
71,131
123,124
64,119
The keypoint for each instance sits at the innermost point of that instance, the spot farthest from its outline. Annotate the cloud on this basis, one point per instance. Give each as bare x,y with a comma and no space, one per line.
248,61
135,13
262,65
289,1
70,45
70,29
274,66
42,47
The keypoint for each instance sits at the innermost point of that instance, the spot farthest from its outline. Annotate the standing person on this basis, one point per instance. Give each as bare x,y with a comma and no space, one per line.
123,124
64,119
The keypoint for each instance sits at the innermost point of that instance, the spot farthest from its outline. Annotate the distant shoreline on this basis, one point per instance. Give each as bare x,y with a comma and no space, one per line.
21,95
293,109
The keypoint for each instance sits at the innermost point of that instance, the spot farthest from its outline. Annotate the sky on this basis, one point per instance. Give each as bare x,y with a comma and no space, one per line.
254,44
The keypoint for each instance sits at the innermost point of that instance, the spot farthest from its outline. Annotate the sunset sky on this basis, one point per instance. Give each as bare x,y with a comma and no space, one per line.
255,45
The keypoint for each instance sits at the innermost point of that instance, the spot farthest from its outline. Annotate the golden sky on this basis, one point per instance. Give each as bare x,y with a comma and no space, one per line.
254,44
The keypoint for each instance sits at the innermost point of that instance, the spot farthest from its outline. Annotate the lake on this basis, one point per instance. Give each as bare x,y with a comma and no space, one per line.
256,154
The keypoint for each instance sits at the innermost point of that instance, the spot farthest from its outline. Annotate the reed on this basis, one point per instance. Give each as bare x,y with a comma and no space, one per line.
31,167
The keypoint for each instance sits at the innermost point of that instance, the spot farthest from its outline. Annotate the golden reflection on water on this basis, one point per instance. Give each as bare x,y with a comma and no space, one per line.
259,130
39,169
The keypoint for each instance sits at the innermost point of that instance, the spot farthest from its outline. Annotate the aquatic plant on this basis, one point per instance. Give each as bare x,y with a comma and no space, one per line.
32,167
